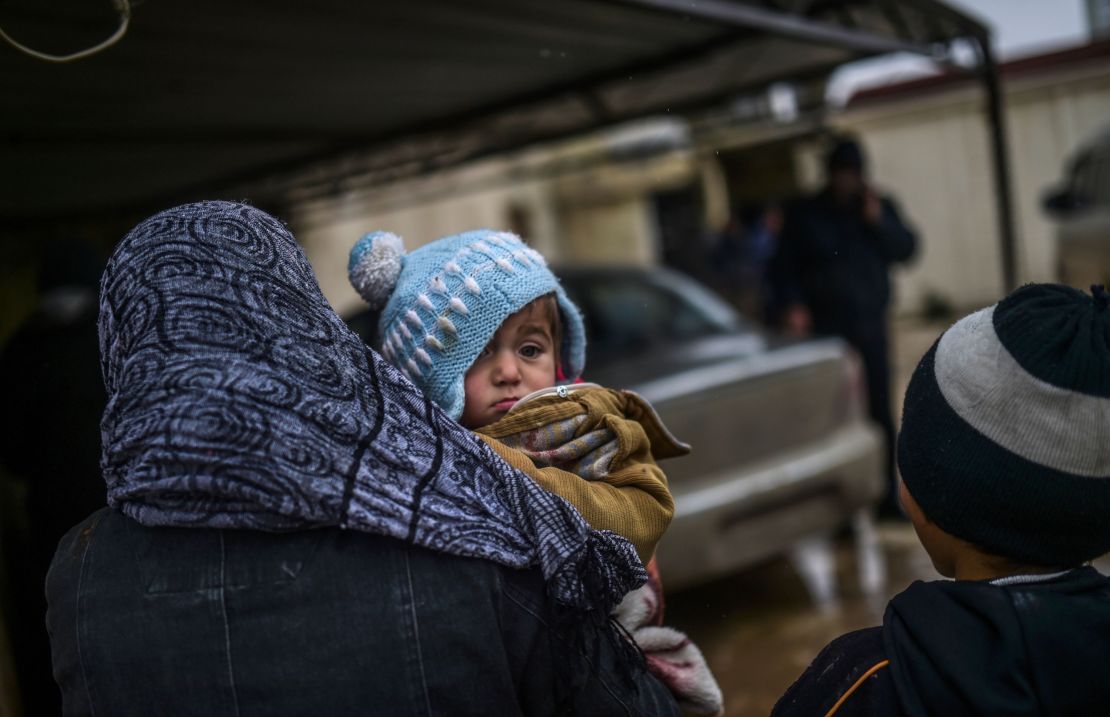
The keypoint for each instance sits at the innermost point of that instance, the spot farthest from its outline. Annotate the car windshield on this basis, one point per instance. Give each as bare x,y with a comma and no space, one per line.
631,311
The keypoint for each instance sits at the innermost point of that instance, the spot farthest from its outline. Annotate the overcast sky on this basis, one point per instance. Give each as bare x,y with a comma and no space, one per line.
1021,27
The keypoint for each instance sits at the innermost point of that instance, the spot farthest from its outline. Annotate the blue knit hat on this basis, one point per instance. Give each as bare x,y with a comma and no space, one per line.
444,301
1005,436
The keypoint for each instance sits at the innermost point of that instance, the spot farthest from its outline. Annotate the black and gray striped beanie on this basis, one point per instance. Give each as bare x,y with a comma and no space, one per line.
1005,436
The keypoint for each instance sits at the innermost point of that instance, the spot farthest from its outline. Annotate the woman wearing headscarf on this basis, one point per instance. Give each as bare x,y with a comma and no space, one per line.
294,529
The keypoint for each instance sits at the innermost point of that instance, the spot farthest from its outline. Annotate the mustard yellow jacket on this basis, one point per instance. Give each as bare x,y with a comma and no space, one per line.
596,447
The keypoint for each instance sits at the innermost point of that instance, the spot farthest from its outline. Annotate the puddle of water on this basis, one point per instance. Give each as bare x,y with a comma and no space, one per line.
761,628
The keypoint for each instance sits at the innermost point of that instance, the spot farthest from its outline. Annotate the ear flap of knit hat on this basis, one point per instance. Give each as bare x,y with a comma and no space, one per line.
374,266
572,353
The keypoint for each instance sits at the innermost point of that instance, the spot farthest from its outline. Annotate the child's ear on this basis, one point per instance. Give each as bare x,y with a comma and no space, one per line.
910,507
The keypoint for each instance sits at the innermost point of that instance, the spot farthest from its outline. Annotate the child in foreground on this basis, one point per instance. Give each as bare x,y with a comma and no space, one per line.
483,327
1005,462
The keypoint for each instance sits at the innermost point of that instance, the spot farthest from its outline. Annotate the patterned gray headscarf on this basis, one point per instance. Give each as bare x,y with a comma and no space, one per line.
238,399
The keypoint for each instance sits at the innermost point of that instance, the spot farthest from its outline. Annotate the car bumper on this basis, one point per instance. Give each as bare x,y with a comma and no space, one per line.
729,521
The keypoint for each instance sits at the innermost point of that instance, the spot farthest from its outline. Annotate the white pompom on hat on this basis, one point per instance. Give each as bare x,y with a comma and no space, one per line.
375,265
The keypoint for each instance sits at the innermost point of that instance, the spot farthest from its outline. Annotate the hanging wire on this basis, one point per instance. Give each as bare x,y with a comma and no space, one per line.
123,7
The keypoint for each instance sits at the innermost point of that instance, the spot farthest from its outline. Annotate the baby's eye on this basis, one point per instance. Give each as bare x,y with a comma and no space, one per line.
531,351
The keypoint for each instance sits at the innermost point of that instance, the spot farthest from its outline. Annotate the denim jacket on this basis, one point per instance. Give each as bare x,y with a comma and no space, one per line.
201,621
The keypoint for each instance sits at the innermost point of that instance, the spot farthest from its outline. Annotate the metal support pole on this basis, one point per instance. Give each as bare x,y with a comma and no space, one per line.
1000,156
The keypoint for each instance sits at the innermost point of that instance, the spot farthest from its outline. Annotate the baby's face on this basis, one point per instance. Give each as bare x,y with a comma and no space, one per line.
519,359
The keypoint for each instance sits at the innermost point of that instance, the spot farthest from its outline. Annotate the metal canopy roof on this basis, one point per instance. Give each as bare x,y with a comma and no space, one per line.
208,96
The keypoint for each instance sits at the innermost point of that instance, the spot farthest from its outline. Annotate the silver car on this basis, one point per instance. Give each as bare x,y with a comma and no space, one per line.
782,449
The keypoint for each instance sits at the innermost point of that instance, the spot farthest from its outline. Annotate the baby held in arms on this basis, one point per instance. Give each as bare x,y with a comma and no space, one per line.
483,327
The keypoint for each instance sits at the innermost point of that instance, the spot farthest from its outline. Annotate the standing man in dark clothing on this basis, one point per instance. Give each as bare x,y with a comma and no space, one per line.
829,275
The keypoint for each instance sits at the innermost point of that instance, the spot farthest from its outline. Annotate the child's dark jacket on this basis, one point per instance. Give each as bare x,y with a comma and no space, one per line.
971,648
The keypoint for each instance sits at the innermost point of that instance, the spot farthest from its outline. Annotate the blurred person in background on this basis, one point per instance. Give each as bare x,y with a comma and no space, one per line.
741,253
829,276
52,399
